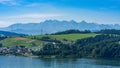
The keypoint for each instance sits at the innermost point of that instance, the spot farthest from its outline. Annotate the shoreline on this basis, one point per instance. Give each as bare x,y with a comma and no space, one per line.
61,57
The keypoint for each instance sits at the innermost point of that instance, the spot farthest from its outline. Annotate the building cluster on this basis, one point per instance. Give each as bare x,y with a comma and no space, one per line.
16,50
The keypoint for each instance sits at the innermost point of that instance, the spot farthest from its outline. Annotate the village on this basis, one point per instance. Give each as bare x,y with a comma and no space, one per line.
16,50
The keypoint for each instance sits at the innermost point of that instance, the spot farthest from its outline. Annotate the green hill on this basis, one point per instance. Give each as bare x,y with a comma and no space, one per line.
72,37
37,42
65,45
30,41
69,37
20,41
6,33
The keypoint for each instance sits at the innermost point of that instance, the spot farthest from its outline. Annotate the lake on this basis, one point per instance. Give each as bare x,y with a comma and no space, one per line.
26,62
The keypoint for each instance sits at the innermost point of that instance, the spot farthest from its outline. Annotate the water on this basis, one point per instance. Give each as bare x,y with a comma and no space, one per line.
26,62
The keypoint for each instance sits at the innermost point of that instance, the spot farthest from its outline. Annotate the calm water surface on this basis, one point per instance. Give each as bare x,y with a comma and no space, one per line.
26,62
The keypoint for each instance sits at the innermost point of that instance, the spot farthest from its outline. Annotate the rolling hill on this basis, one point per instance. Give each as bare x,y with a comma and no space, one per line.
21,41
6,33
69,37
35,41
65,45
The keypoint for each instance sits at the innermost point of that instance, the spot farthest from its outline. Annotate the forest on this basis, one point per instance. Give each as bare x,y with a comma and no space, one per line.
105,44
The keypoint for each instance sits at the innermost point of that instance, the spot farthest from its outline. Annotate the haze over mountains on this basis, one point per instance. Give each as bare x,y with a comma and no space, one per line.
52,26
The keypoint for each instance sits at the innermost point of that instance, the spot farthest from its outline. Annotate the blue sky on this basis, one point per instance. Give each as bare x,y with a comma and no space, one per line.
29,11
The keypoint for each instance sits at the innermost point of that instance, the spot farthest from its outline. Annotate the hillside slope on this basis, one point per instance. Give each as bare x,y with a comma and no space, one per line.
6,33
20,41
34,41
69,37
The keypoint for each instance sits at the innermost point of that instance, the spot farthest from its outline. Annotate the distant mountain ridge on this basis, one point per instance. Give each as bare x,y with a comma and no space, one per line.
6,33
52,26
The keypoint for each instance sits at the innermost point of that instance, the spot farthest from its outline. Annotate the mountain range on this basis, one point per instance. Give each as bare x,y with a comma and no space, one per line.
52,26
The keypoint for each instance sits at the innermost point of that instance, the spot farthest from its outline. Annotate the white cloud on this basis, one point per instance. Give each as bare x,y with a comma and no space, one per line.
33,16
4,0
32,5
42,6
26,18
9,2
4,23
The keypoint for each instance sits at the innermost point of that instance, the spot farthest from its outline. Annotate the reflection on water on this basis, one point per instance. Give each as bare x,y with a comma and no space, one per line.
108,62
25,62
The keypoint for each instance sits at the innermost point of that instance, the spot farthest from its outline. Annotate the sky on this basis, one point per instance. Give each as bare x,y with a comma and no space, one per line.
36,11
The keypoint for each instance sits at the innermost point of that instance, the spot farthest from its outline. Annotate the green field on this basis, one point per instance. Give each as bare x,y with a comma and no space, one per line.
72,37
29,42
20,41
69,37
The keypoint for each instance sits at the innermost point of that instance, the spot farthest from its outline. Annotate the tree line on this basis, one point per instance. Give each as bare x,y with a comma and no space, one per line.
72,31
99,46
104,31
